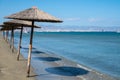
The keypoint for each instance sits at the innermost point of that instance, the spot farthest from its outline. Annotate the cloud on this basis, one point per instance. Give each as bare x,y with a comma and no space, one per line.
72,19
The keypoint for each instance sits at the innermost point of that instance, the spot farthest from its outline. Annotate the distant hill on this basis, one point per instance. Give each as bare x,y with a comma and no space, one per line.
52,28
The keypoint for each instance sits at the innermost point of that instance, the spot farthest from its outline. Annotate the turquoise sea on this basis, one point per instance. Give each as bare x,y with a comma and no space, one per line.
97,50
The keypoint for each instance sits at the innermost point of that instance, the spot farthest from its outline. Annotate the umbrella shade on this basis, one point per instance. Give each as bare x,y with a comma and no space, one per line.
34,14
20,23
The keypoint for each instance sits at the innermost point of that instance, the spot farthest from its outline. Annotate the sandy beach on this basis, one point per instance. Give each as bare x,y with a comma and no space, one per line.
60,40
10,68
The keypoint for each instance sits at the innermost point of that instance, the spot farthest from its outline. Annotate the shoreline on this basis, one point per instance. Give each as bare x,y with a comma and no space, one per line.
66,69
92,73
47,63
10,68
71,62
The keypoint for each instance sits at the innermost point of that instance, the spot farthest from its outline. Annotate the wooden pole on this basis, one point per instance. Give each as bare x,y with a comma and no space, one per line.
12,39
7,36
19,45
30,49
4,34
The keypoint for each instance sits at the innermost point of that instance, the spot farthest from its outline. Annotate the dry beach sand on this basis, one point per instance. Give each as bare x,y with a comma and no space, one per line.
10,68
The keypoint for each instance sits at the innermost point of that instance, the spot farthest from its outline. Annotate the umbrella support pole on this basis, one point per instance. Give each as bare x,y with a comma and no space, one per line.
30,49
7,36
12,40
4,34
19,46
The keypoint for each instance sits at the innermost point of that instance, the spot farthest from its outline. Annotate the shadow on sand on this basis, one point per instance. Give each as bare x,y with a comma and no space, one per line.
37,52
67,71
49,59
27,48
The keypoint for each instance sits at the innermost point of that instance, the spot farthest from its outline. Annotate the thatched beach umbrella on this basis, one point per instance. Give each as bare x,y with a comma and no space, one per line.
12,28
21,23
7,28
1,29
33,14
3,33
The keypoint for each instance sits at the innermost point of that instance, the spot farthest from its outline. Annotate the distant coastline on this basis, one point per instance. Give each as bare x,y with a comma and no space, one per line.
52,28
73,28
78,31
73,31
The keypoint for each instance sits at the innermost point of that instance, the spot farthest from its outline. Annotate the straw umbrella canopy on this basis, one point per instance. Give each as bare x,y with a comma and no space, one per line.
3,30
33,14
7,29
21,23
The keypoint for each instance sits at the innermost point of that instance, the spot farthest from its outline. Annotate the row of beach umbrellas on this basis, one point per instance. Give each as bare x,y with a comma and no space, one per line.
26,18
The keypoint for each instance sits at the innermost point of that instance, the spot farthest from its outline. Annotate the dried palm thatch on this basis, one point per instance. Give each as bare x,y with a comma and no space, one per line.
20,23
34,14
8,27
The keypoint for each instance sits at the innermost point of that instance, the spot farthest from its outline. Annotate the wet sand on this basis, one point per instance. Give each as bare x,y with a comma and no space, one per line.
49,66
10,68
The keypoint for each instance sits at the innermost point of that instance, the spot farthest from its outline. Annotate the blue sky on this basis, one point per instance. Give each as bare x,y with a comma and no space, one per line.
72,12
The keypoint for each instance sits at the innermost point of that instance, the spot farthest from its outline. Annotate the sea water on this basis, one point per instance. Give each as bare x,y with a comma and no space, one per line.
97,50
